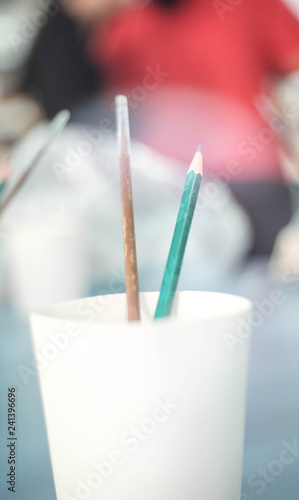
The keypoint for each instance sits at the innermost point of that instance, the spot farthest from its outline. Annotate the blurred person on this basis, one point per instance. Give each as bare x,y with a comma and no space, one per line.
194,72
58,73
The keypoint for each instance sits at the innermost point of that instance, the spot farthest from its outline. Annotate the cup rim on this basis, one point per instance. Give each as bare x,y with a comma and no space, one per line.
241,305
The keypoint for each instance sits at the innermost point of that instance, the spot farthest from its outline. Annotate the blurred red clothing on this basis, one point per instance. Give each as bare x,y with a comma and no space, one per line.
206,61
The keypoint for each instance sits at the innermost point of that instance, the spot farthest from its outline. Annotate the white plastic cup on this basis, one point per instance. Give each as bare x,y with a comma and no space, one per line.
150,410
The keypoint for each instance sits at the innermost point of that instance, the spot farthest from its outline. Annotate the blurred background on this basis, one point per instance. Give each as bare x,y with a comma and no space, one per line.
223,74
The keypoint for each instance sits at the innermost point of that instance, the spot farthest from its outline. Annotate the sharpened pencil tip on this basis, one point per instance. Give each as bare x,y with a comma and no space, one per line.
196,164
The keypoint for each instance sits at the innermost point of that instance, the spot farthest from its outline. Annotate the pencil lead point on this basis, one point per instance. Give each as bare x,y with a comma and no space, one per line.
196,163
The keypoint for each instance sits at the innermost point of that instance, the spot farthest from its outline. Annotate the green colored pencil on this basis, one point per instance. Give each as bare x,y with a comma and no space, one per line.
180,237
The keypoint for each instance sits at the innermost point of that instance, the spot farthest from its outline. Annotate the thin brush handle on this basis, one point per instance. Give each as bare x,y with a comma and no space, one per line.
20,182
132,286
55,127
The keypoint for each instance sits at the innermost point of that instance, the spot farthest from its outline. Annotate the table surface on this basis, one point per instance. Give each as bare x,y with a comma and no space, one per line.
272,422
